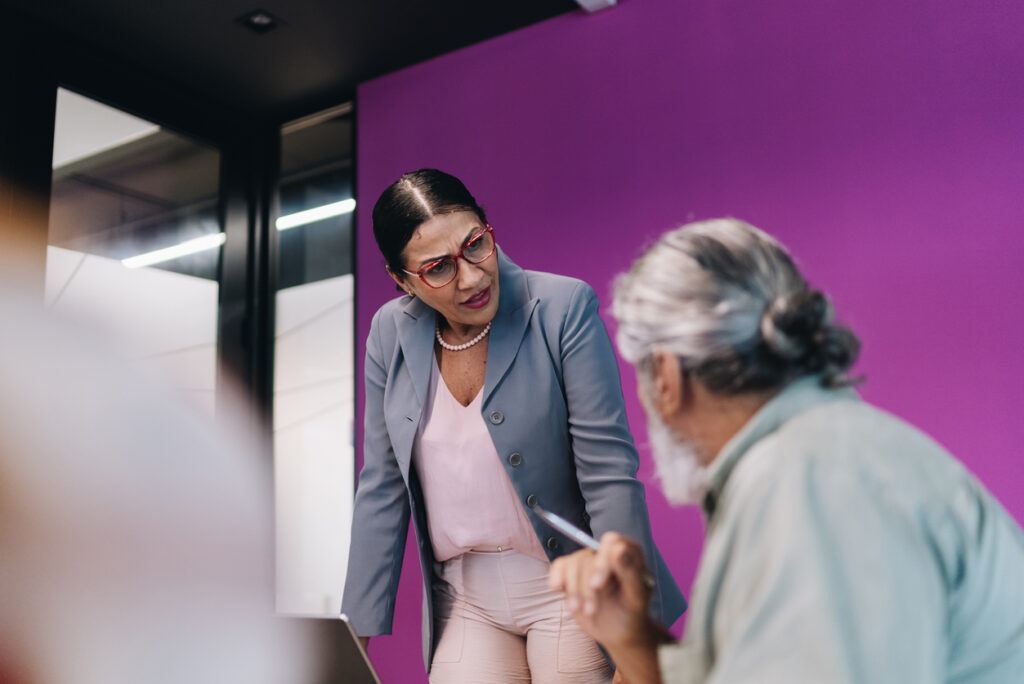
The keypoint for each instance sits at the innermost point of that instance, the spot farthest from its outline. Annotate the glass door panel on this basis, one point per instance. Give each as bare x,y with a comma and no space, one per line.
134,240
314,458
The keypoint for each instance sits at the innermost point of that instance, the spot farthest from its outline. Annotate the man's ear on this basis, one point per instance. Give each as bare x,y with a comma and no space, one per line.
669,385
400,281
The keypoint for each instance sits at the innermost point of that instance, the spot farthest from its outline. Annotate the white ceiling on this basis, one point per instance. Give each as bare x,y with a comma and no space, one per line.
84,127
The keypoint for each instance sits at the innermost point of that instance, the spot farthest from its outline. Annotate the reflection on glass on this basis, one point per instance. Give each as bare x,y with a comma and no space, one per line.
134,240
314,466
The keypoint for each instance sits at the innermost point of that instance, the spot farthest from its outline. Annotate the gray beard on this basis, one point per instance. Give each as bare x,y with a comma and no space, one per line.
677,466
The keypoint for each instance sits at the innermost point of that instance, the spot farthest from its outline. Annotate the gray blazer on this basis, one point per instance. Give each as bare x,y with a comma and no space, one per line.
552,401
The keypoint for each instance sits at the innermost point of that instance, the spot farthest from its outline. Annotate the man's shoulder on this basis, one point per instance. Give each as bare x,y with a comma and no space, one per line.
864,439
853,446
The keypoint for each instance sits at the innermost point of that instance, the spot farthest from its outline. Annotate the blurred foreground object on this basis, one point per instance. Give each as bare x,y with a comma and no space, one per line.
135,539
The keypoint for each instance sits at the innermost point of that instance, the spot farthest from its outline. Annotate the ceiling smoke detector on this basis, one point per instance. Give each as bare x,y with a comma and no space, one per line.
259,20
596,5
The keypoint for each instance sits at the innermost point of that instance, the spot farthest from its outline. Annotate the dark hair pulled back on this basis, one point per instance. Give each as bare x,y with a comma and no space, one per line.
412,200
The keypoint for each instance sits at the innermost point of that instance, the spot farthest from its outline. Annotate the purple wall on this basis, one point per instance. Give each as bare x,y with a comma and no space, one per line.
882,142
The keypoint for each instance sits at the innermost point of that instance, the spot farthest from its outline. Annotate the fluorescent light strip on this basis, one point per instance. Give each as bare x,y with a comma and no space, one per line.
206,242
167,253
301,218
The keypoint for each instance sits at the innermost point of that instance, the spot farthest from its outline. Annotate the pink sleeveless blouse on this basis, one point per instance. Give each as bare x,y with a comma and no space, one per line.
470,501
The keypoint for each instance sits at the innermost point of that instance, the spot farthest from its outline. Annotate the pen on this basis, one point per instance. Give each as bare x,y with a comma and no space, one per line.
579,536
567,528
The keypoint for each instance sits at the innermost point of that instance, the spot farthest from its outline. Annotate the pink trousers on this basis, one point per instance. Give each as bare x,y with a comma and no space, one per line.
498,622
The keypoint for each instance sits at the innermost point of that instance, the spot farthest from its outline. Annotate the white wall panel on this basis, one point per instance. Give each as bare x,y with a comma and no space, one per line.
313,452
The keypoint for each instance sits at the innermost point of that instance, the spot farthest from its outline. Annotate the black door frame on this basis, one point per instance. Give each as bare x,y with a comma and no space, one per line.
39,61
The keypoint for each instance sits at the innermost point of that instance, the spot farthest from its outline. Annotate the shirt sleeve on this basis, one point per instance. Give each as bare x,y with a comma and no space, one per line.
822,576
380,519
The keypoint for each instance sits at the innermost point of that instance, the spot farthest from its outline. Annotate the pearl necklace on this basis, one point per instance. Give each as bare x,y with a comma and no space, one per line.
460,347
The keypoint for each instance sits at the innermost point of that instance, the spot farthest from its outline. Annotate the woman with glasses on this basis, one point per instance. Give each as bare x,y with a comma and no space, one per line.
489,390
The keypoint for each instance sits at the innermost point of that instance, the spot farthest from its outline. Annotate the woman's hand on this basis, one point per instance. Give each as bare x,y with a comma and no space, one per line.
608,591
364,642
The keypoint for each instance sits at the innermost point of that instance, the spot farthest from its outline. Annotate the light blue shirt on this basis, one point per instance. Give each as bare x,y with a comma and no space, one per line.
844,545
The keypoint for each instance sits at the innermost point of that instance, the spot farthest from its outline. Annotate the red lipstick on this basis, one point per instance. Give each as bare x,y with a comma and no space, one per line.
479,300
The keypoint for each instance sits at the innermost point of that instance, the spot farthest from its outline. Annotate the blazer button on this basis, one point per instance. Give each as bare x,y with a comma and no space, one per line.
552,543
497,417
531,500
515,459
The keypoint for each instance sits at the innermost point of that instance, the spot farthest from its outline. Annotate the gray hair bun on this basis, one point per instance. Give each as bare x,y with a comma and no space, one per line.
798,329
730,303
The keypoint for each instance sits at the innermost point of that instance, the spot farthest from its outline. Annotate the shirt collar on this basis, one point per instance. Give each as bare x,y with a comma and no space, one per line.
795,398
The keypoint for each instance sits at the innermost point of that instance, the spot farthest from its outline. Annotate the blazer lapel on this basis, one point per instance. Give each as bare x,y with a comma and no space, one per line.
514,310
416,336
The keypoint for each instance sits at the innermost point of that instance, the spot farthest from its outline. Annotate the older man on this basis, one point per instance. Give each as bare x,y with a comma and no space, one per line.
843,545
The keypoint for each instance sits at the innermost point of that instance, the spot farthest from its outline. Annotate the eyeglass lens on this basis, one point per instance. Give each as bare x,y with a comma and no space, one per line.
476,250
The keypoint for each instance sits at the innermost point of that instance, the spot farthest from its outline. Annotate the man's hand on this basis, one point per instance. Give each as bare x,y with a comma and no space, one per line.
605,589
608,592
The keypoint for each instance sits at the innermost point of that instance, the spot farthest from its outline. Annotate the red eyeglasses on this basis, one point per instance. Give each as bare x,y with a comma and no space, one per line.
439,273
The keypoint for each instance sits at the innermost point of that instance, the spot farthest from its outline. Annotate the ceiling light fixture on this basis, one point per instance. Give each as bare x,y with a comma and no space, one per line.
320,213
595,5
200,244
259,20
